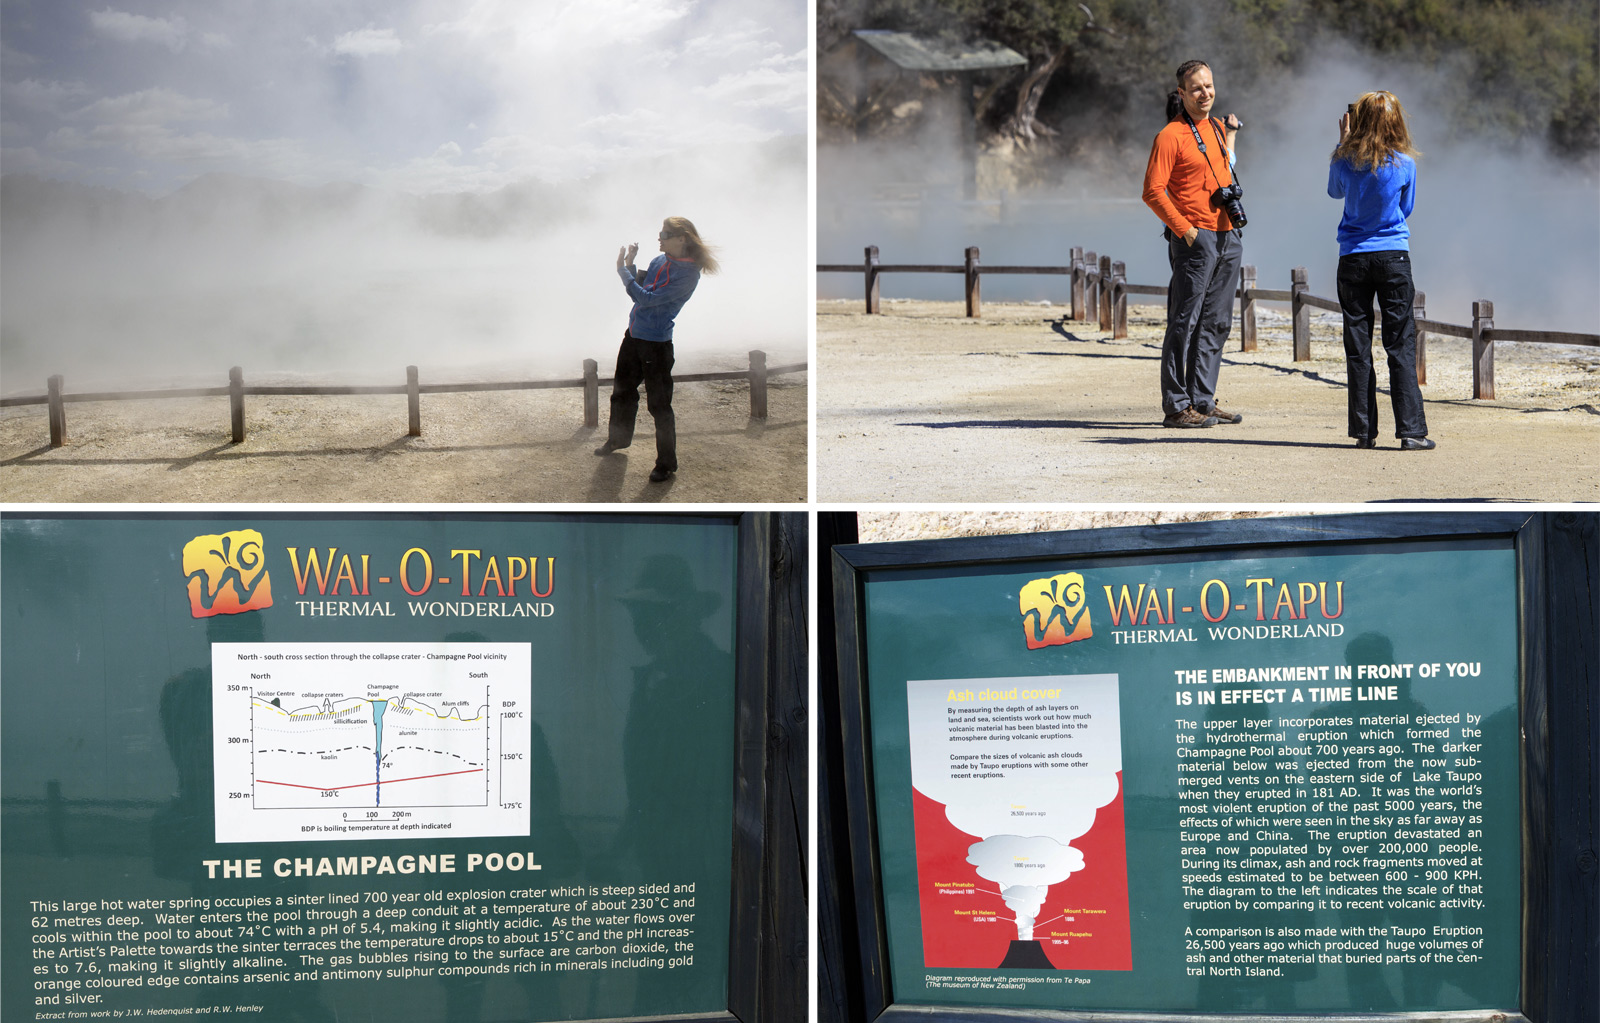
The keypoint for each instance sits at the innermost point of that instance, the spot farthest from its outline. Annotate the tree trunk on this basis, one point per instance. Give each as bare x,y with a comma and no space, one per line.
1023,125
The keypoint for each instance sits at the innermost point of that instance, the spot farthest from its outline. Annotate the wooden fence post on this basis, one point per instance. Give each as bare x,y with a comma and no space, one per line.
1247,308
1298,287
1482,350
974,289
236,402
1105,294
870,269
758,385
1419,311
591,393
1091,294
413,404
58,411
1119,300
1077,282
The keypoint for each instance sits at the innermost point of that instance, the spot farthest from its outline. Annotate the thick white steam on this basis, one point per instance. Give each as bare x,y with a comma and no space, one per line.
355,284
1496,220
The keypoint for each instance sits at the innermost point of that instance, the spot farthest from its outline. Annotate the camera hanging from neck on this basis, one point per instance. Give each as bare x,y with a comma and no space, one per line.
1226,198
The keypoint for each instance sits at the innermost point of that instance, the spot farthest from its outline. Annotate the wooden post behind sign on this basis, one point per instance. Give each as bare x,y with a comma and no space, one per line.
1105,293
1302,313
1119,300
1247,309
1419,311
413,404
1091,292
58,411
758,385
974,294
1077,283
236,402
591,393
1482,349
870,268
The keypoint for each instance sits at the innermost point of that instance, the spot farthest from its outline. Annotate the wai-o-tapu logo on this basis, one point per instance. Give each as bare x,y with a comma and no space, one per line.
1055,610
226,573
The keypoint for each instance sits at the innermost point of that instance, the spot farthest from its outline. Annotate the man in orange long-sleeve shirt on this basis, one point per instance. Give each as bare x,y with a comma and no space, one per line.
1203,247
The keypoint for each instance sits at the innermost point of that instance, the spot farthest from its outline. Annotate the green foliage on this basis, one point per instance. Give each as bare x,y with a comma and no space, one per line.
1522,69
1033,29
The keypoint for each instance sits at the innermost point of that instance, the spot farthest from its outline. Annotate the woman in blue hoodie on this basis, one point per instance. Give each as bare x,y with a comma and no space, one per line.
658,292
1374,170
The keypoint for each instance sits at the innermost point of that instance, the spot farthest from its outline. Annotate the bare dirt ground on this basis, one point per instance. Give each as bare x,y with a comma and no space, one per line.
876,525
922,404
497,446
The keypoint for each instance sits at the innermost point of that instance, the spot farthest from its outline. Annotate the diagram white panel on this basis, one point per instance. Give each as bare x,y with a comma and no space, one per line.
319,741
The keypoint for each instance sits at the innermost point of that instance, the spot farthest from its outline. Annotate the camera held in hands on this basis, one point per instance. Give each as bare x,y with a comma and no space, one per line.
1228,200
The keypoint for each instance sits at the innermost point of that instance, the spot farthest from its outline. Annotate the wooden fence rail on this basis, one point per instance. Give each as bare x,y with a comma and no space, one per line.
55,398
1100,289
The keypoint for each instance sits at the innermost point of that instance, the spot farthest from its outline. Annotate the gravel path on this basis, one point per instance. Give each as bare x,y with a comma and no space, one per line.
497,446
921,404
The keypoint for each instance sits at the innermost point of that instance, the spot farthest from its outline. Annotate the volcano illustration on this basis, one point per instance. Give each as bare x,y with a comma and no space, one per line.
1026,955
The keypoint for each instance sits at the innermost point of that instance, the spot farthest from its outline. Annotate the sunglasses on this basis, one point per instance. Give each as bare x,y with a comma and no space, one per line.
663,236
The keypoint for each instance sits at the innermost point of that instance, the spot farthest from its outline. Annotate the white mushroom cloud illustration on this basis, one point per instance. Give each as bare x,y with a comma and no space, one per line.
1022,763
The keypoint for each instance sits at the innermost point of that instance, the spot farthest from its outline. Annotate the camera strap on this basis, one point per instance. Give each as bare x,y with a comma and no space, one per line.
1198,141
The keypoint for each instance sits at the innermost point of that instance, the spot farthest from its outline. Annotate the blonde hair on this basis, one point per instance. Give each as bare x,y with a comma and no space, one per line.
1377,132
693,246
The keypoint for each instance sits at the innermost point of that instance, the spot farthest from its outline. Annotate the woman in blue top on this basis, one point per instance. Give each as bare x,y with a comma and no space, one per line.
658,292
1374,171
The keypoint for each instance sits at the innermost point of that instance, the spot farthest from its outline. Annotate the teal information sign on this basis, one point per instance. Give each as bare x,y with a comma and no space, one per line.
1278,783
382,768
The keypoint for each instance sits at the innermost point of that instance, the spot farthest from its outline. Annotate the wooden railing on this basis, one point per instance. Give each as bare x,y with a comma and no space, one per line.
1100,289
56,399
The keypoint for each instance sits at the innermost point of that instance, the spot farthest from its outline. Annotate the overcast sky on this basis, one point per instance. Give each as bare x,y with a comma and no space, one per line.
418,95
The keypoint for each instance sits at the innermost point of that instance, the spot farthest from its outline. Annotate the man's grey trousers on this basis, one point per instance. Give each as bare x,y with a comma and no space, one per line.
1199,315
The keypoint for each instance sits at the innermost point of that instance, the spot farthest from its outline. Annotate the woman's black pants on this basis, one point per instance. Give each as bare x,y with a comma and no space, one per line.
1388,276
649,362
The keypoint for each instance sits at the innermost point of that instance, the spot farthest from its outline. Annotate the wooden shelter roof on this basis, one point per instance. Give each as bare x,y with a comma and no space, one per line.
912,52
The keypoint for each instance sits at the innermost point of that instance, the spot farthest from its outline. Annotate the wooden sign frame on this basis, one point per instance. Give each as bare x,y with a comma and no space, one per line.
1559,657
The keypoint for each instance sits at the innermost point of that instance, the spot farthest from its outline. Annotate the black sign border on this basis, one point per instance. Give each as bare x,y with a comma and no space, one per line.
767,960
1558,581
